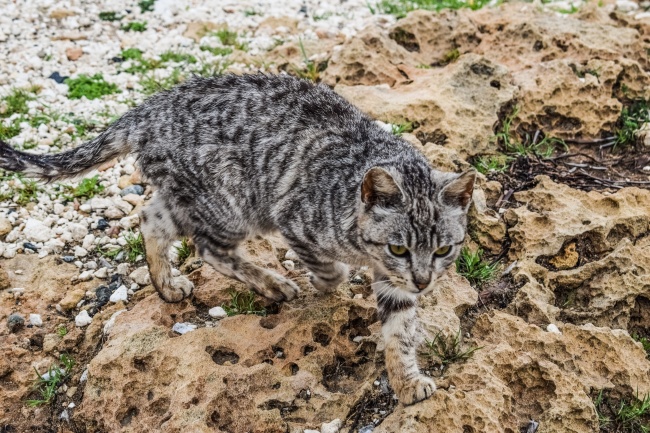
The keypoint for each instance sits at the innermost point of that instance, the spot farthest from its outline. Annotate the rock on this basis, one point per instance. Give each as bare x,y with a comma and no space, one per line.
114,213
71,299
217,313
82,319
68,259
310,431
291,255
331,427
5,226
58,78
103,295
5,283
30,246
36,231
367,429
289,265
35,320
85,276
80,252
183,328
124,182
59,14
552,328
73,53
101,273
110,322
141,276
102,224
88,242
15,322
123,268
119,295
78,231
133,189
130,221
135,200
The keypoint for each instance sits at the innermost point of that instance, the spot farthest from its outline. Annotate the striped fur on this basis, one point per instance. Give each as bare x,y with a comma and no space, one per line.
235,156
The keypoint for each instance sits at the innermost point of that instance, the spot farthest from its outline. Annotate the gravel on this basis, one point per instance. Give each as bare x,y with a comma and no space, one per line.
183,328
120,294
35,320
82,319
217,313
15,322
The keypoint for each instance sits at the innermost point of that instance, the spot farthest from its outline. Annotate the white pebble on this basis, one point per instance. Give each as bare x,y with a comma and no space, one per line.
120,294
552,328
358,296
84,376
310,431
88,241
217,313
183,328
37,231
101,273
82,319
141,276
35,319
123,268
291,255
80,252
289,265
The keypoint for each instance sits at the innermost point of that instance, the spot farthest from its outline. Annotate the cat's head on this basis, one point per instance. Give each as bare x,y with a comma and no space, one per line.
412,222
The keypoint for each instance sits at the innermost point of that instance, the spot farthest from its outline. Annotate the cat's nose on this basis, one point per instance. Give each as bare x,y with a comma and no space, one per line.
422,286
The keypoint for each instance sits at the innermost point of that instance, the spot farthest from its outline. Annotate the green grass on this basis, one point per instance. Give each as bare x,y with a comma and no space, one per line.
172,56
400,128
632,118
491,163
525,146
15,102
312,70
628,416
134,246
58,373
92,87
447,350
87,188
146,5
399,8
471,265
110,16
645,342
24,190
135,26
184,251
451,56
226,36
61,331
243,303
131,54
110,253
150,84
217,51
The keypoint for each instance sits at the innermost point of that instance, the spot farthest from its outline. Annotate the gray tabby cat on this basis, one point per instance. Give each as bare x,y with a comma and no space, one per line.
235,156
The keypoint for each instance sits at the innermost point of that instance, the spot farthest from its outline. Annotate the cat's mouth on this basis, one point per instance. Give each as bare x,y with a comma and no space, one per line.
402,284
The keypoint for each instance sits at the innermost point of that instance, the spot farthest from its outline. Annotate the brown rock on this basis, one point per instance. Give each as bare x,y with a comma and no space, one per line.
5,283
59,14
197,29
273,25
73,53
136,177
124,181
71,299
567,259
108,164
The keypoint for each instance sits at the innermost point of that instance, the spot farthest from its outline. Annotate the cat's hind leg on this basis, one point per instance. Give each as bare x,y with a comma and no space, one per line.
224,257
159,232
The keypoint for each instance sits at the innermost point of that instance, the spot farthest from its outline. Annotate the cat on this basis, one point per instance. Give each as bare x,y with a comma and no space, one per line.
235,156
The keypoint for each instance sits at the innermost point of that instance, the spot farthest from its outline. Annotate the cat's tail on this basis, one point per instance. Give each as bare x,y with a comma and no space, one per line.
108,145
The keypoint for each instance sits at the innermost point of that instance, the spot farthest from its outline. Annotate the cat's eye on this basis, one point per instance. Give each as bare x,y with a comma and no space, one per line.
398,250
442,251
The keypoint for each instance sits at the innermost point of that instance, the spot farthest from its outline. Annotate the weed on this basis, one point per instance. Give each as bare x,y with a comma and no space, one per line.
251,12
631,120
91,87
212,69
450,57
227,37
135,26
21,190
15,102
323,16
134,247
151,85
110,251
110,16
87,188
131,54
146,5
217,51
400,128
171,56
448,349
630,416
243,303
61,331
645,342
47,384
184,251
423,66
526,147
491,164
472,266
10,129
399,8
312,70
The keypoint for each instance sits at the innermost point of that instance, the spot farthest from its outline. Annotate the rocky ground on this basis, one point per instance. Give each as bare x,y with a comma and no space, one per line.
548,330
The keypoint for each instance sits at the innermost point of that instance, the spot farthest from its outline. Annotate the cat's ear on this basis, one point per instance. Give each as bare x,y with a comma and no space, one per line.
458,191
379,188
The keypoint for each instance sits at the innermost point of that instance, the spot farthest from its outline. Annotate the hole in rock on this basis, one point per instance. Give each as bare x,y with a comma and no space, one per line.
128,417
359,320
222,356
322,334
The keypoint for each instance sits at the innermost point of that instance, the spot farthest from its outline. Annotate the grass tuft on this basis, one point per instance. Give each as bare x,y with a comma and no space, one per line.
534,146
87,188
400,128
243,303
47,386
110,16
471,265
134,247
217,51
61,331
631,120
645,342
150,84
91,87
491,163
399,8
631,416
146,5
184,251
448,350
135,26
312,70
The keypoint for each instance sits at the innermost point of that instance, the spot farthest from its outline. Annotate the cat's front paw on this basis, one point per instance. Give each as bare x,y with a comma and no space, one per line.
416,390
277,288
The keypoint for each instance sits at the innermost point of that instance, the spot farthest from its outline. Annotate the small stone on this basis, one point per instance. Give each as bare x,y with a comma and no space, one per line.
5,226
68,259
101,273
65,416
92,265
15,322
133,189
36,231
217,313
130,221
85,276
367,429
310,431
35,320
358,296
82,319
141,276
553,329
71,299
84,376
78,231
289,265
331,427
102,224
103,295
80,251
73,53
58,78
183,328
88,241
291,255
376,383
120,294
123,268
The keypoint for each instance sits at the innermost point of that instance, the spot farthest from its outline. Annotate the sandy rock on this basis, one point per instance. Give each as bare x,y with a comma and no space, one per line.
464,89
73,53
5,226
5,283
59,14
71,299
197,29
273,25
